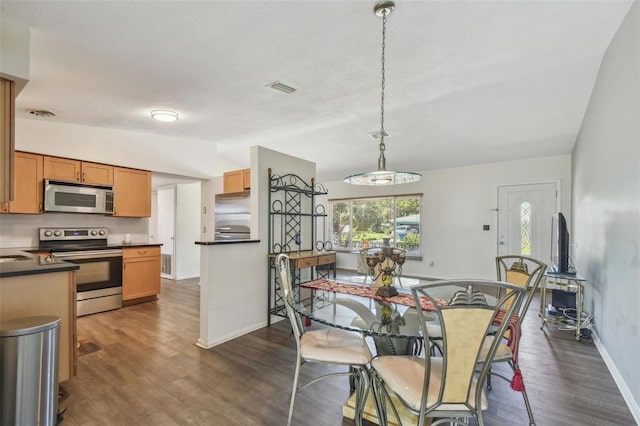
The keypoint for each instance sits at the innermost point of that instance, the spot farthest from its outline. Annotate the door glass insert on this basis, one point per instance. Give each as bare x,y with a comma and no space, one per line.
525,228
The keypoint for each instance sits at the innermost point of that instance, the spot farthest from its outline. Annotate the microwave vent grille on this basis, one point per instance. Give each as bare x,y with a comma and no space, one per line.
109,202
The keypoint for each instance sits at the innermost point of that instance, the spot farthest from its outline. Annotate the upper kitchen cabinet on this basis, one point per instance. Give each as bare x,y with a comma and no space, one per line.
246,179
28,185
132,189
100,174
7,114
77,171
236,181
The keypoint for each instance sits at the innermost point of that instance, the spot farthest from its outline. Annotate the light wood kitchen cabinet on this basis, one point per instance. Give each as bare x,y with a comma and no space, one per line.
28,185
99,174
236,181
140,273
132,189
45,294
246,179
232,181
77,171
7,117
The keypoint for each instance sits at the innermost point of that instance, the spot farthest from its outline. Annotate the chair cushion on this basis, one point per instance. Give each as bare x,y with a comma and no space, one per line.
334,346
404,375
503,353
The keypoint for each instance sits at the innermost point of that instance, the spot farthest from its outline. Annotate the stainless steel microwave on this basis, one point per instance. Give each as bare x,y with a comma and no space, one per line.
74,197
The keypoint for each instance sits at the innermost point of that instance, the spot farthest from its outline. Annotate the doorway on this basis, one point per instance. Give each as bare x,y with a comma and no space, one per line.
524,219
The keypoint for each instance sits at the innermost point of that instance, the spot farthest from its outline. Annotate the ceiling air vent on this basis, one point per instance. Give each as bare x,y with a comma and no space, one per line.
276,85
42,113
376,135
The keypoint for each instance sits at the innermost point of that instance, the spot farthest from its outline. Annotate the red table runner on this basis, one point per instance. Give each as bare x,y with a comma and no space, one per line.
370,292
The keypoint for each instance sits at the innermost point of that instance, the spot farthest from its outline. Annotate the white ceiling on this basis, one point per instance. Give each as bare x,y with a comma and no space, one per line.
468,82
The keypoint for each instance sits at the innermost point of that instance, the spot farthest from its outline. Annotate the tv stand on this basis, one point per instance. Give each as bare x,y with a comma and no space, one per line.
571,281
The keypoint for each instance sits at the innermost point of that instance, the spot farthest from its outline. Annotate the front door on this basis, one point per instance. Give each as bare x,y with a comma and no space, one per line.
524,219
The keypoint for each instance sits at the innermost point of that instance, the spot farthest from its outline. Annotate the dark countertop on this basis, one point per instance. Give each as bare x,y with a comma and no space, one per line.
127,245
34,264
213,243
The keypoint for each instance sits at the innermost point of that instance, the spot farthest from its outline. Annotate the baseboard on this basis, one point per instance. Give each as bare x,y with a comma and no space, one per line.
276,319
188,277
208,344
617,377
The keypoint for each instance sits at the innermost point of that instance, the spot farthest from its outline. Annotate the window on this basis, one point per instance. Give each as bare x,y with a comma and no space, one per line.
371,222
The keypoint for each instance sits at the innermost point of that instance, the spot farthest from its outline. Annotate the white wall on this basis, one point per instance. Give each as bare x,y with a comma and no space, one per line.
456,203
153,220
187,231
606,200
14,52
21,230
233,277
208,192
157,153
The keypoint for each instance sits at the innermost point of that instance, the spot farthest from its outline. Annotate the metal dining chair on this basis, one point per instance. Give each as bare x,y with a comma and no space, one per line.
527,273
328,345
447,387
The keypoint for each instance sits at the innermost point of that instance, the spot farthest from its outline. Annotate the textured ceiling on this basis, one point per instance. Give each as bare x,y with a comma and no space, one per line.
467,82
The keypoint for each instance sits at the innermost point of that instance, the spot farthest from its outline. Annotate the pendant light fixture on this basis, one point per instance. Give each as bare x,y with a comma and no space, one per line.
382,176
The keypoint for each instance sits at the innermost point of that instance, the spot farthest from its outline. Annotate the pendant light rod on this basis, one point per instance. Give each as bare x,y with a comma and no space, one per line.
384,9
382,176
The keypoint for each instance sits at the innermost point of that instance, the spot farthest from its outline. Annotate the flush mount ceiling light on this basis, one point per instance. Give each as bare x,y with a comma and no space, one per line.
382,176
163,115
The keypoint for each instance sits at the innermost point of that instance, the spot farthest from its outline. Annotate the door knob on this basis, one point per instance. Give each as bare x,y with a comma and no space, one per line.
501,243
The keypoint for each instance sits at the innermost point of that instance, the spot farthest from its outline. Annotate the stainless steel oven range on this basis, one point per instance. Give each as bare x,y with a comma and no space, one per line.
99,279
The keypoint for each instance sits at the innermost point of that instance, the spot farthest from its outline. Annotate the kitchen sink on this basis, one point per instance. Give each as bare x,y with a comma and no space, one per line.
13,258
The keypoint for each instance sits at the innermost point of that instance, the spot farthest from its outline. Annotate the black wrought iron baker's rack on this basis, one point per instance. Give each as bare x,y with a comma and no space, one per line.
294,221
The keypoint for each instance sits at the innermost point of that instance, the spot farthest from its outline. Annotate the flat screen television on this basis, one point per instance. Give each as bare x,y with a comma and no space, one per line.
559,245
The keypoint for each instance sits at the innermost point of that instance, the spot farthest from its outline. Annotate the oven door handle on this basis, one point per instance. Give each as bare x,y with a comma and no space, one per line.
89,254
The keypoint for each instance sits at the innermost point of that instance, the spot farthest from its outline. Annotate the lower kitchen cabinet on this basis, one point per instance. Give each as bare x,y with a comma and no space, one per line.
45,294
140,274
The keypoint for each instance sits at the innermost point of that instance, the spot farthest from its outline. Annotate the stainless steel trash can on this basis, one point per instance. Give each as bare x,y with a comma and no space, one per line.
29,371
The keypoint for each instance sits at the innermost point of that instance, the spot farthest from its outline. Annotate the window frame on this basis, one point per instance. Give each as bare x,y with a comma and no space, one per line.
393,198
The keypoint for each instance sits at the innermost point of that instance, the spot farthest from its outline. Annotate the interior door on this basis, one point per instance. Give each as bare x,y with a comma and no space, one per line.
166,230
524,219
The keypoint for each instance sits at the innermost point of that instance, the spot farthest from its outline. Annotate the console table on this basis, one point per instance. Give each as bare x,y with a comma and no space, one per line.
322,264
570,282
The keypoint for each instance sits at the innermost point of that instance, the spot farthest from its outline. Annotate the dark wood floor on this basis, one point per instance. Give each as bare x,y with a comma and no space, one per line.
149,372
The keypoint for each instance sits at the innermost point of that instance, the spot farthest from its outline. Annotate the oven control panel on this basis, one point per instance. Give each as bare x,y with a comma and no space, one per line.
64,234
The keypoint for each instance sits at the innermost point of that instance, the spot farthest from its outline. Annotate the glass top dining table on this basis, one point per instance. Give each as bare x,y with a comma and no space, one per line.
391,322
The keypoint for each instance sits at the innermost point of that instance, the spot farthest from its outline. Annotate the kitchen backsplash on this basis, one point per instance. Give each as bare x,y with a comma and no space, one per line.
21,230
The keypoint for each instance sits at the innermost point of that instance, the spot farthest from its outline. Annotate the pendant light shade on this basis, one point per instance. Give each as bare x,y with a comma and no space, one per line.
382,176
